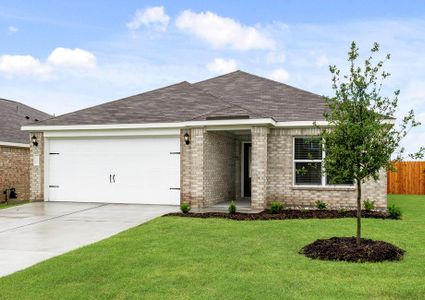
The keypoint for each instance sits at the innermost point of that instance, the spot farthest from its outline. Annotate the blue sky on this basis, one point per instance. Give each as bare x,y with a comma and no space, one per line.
60,56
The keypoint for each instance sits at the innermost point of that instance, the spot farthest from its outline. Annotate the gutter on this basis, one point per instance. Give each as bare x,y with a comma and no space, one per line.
269,122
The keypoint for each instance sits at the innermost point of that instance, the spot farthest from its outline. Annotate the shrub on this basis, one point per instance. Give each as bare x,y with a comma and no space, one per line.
395,212
276,207
342,211
321,205
232,207
368,205
304,210
185,207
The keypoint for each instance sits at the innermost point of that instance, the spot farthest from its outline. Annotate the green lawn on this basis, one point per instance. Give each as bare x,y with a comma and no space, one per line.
5,205
185,258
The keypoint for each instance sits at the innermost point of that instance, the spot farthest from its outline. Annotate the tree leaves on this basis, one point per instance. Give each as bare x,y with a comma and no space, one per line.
363,135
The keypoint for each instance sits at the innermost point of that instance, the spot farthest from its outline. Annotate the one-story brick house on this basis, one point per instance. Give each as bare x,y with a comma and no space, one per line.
236,136
15,148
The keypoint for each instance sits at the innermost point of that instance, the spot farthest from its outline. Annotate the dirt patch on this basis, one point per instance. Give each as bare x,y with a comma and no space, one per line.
346,249
287,214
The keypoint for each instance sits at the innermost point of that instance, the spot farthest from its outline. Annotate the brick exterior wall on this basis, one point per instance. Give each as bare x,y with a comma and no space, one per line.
219,168
259,166
211,171
14,171
37,168
191,167
280,178
208,167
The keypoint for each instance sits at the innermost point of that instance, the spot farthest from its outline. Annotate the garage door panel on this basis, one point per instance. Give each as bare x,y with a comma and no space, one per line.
74,175
144,170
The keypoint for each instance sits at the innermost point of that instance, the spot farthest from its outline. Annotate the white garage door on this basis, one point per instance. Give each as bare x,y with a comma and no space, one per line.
142,170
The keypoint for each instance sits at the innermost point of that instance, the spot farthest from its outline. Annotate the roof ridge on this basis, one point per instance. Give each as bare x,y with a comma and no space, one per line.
9,100
212,95
281,83
208,93
259,77
259,111
219,76
25,106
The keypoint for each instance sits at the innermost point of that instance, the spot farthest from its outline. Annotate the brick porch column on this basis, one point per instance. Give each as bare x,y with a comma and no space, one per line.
259,167
37,168
192,167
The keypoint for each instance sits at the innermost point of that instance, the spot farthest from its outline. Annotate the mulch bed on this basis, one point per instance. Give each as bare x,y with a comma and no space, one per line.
286,214
346,249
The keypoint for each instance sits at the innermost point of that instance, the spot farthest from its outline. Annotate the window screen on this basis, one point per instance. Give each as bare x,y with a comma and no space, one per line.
308,163
307,148
308,173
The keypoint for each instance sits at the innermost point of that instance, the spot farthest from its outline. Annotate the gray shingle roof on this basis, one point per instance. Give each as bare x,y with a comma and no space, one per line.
174,103
13,115
231,95
266,97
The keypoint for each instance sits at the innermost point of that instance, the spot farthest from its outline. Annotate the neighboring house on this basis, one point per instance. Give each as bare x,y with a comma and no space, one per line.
230,137
14,147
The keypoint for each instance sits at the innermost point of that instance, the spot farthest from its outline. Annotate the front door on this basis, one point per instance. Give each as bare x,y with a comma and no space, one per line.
246,170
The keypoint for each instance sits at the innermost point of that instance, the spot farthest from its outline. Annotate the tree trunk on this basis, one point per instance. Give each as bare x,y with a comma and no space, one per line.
359,211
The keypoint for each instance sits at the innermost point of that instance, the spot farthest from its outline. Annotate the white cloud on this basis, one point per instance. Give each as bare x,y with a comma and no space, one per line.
60,58
222,66
279,75
275,57
152,16
223,32
413,94
322,60
12,29
23,65
72,58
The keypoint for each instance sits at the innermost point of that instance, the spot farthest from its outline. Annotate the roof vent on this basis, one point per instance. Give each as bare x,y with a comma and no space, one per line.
26,117
36,120
227,117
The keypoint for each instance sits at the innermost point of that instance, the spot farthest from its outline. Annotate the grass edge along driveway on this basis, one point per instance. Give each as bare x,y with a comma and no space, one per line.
4,205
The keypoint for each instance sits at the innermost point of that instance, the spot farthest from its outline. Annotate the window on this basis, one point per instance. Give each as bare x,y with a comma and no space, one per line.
308,163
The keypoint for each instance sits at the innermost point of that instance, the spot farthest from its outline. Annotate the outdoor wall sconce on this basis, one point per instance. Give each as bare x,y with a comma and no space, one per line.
186,138
34,141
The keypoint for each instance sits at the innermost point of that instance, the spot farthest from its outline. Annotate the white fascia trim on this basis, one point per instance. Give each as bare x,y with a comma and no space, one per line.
389,121
20,145
252,122
246,123
299,124
113,133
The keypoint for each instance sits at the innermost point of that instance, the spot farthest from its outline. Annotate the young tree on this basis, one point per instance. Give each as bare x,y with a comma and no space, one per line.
362,135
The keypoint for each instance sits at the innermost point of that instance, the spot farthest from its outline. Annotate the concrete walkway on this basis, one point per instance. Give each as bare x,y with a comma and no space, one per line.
37,231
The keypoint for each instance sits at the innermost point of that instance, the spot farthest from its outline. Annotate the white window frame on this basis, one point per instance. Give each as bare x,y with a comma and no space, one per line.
323,180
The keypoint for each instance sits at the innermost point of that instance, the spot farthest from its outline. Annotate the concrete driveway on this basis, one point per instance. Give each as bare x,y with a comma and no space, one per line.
37,231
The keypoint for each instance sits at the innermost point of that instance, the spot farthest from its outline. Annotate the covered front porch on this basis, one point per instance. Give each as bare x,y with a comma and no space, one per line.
224,165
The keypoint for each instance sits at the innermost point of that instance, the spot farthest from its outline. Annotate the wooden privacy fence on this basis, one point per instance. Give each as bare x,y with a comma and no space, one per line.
409,178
